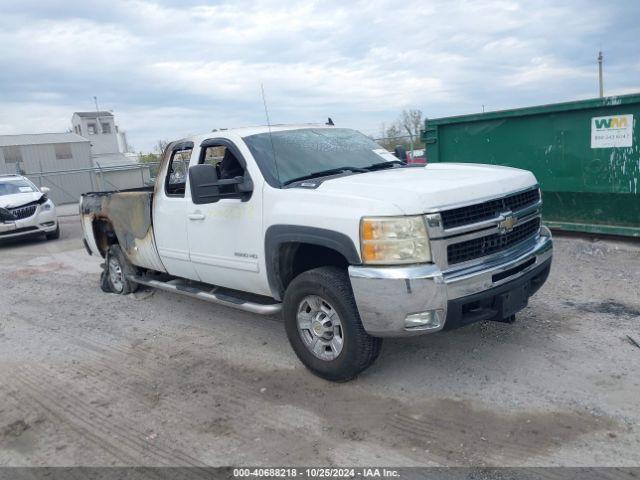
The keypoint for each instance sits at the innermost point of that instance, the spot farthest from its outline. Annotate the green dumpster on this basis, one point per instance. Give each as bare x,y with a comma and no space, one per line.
585,154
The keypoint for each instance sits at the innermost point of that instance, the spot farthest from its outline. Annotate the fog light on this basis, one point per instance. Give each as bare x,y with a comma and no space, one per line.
430,320
47,224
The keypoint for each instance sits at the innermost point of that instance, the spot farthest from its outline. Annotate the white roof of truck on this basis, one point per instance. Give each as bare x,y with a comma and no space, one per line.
253,130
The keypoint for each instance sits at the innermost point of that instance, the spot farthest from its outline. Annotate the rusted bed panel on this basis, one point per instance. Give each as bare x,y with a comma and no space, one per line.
129,212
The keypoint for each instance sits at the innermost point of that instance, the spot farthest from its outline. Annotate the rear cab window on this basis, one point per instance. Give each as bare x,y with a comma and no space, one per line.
176,179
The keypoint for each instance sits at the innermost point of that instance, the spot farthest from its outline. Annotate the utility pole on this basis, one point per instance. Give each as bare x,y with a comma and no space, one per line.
98,125
600,74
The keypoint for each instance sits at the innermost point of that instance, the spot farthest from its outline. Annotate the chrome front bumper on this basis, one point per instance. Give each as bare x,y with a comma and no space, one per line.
385,296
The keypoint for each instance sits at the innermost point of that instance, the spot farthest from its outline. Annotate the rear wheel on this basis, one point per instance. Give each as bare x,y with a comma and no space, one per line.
118,269
324,327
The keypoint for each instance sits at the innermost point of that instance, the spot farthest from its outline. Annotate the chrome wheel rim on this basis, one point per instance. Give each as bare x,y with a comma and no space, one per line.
320,327
115,275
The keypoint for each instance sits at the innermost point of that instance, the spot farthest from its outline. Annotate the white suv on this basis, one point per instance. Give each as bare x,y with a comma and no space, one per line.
25,209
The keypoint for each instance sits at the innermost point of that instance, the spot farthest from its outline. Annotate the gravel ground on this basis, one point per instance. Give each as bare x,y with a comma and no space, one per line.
88,378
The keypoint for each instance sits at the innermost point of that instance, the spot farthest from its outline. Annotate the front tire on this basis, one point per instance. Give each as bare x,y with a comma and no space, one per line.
54,235
324,327
118,269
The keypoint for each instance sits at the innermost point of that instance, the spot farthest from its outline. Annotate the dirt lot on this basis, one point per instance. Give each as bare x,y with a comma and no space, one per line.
88,378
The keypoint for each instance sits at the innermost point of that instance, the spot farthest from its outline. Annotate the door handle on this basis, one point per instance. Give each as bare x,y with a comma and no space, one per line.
196,216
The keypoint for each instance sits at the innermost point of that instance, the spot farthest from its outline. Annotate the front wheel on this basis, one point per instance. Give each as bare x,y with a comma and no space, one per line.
324,327
53,235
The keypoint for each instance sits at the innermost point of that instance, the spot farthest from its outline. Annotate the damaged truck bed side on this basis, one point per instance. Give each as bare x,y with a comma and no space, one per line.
323,225
122,218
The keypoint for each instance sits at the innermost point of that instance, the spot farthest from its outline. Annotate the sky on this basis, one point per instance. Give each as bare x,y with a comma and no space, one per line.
169,68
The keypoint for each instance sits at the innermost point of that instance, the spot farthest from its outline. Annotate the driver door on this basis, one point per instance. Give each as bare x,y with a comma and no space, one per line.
169,217
225,235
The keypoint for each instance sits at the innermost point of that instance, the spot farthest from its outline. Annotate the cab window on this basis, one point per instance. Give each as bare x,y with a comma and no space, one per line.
226,164
176,180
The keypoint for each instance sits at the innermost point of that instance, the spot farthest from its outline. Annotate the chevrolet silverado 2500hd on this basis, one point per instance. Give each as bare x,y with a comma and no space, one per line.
319,222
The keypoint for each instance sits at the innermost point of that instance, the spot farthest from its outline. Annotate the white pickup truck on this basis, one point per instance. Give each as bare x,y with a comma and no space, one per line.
321,223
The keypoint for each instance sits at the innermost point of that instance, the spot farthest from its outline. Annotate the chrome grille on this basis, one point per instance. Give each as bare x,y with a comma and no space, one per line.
483,246
20,213
489,209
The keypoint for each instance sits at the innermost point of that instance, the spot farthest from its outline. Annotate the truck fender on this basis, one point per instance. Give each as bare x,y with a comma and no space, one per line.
277,235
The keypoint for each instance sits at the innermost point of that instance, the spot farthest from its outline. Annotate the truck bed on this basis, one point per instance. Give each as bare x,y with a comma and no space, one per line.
127,215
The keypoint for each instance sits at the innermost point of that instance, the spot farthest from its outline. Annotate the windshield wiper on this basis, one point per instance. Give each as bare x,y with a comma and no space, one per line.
324,173
387,164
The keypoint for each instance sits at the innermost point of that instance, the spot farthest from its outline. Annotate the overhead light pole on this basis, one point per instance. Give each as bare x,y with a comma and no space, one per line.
600,74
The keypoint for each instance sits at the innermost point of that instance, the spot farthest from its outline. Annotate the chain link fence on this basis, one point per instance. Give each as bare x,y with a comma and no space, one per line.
66,186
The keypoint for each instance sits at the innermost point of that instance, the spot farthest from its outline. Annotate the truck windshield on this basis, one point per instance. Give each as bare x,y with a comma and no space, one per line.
302,153
13,186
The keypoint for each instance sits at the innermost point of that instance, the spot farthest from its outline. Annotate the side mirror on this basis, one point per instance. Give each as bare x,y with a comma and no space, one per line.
203,180
401,153
45,190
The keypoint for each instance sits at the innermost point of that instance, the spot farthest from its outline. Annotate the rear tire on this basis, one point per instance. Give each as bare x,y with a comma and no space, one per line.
105,286
118,269
324,327
54,235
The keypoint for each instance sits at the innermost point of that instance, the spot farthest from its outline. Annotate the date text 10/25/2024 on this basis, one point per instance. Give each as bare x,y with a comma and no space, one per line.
316,472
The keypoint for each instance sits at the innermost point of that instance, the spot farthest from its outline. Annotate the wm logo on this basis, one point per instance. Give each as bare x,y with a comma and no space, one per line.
612,122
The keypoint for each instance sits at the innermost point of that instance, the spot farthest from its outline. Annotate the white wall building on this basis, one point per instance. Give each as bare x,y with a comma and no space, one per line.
66,162
108,143
40,153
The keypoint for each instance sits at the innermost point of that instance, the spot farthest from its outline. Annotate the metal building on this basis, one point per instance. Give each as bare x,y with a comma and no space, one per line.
37,154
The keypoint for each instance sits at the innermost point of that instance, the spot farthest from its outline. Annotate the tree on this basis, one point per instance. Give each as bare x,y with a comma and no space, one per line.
161,145
394,137
405,131
148,157
411,121
153,157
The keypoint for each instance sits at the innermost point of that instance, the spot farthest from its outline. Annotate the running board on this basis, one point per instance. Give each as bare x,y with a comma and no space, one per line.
182,288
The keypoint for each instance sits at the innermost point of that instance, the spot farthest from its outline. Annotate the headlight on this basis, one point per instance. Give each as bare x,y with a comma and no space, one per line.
394,240
48,205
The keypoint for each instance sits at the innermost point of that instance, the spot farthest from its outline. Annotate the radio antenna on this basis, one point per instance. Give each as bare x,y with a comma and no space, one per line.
273,148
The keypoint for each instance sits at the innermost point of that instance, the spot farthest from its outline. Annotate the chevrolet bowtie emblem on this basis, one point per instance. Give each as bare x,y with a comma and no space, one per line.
508,223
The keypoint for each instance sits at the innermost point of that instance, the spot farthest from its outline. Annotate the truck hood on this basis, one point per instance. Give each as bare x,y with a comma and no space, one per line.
19,199
417,190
